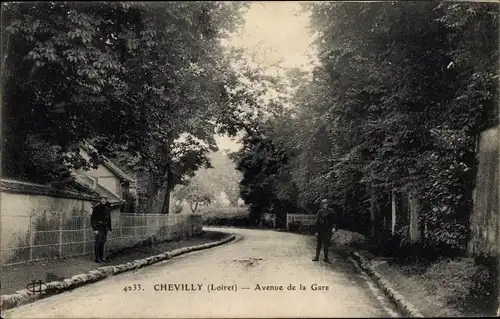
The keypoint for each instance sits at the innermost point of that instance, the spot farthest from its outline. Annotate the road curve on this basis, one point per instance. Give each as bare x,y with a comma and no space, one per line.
259,257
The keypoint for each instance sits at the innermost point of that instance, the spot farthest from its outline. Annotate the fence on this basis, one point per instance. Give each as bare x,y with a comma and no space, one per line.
303,219
57,235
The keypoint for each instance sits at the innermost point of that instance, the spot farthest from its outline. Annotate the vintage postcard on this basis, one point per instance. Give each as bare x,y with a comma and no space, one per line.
250,159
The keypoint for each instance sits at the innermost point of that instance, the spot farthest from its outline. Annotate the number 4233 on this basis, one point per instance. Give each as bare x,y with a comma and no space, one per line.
134,287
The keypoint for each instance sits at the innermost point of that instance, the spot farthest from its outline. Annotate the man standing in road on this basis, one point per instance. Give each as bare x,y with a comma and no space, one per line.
325,219
101,224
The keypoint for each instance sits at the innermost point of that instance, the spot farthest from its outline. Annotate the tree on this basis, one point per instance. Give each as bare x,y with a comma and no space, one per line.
64,65
188,99
221,177
130,78
400,93
194,193
263,162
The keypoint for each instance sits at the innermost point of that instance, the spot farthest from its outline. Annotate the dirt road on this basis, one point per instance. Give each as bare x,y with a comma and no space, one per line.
240,279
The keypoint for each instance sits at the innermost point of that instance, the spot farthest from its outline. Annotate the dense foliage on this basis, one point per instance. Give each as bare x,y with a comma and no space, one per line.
397,101
148,84
209,184
194,194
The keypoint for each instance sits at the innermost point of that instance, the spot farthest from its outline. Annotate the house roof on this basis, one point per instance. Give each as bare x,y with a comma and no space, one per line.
117,170
106,162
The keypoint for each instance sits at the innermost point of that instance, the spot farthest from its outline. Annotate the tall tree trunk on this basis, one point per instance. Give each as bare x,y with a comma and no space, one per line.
373,208
168,184
152,192
168,189
372,214
193,210
15,133
5,47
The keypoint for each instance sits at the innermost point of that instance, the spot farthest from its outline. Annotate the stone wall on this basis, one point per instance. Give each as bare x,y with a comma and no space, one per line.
38,222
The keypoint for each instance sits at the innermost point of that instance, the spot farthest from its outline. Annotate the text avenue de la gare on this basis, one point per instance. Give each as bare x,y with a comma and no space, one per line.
169,287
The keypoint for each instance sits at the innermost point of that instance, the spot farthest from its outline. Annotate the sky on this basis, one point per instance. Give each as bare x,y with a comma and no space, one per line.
273,34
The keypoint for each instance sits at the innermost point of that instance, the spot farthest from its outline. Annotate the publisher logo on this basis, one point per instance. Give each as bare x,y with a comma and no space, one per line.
36,287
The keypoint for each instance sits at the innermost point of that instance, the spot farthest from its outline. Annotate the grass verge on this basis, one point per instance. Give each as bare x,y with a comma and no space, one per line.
446,287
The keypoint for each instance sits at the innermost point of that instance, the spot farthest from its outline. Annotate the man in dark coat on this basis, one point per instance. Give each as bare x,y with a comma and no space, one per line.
101,224
325,220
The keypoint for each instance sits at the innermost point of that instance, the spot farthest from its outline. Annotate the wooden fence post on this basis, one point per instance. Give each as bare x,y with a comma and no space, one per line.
120,229
32,237
135,228
60,234
84,233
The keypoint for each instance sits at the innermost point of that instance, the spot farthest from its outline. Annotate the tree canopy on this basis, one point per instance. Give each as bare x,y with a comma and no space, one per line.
399,96
148,84
194,193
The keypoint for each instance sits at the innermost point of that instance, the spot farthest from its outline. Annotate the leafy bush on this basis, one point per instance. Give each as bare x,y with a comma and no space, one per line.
267,223
230,216
177,209
306,229
347,238
464,284
298,227
223,211
235,221
294,226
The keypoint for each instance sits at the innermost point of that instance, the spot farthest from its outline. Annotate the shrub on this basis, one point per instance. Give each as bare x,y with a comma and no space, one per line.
483,294
299,227
347,238
231,216
464,284
294,226
212,211
306,229
267,223
177,209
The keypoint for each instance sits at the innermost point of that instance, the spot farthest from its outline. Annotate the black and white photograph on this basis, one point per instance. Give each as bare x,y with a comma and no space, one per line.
250,159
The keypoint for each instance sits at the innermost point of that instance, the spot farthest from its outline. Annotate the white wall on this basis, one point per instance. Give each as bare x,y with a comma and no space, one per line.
36,223
22,213
104,175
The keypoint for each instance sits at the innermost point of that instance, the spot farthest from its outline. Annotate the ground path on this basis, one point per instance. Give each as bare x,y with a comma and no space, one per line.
259,257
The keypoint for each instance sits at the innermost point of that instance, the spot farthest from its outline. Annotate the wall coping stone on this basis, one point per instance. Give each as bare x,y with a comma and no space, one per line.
20,187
